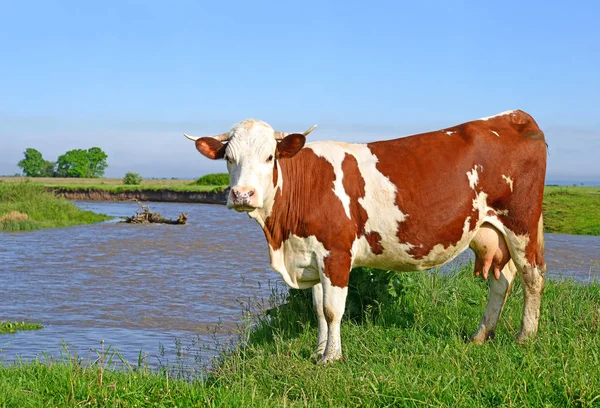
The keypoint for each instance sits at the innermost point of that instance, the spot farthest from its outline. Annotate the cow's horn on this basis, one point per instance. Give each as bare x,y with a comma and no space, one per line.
309,130
223,137
192,138
281,135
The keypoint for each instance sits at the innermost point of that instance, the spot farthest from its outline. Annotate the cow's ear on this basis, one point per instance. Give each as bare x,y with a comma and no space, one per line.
210,147
290,145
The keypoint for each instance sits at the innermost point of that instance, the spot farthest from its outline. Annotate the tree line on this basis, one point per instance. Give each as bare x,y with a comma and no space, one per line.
81,163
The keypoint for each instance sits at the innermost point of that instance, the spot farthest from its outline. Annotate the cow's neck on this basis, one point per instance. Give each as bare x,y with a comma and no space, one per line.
276,217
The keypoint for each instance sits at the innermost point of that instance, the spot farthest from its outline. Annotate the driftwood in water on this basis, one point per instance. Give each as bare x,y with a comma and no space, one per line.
143,215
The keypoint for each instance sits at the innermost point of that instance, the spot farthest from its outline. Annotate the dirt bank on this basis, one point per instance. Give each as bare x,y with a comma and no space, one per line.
164,195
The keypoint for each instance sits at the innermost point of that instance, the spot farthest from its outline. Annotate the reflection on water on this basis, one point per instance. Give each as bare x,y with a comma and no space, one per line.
138,286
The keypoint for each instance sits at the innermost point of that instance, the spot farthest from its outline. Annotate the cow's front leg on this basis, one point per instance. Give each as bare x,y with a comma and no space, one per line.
317,292
334,280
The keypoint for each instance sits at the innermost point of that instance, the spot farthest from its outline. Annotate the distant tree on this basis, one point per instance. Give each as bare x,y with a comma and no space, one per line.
47,169
74,163
132,179
33,163
97,159
82,163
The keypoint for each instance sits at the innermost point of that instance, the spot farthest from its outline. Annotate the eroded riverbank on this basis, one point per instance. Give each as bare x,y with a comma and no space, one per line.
156,195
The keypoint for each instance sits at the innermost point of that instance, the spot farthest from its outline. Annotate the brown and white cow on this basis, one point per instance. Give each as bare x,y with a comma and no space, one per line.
406,204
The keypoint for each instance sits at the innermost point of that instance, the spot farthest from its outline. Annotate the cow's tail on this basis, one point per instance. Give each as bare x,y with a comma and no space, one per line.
540,235
541,245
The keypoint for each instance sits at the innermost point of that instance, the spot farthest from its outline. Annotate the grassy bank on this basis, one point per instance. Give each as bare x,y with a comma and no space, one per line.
572,210
409,350
27,206
115,185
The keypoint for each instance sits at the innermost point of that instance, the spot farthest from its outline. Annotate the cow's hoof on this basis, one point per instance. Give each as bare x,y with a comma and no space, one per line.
326,359
478,339
524,338
481,336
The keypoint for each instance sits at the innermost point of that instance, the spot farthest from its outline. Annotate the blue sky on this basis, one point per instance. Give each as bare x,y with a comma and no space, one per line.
132,76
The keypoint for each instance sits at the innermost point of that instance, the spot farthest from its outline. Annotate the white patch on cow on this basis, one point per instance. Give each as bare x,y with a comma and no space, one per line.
508,181
279,185
335,156
299,261
473,176
494,132
508,112
502,212
480,205
450,132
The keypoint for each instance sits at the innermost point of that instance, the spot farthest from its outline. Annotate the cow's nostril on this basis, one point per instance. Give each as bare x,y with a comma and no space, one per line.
250,193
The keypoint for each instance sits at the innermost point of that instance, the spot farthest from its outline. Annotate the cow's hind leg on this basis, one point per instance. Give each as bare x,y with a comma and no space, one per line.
533,286
529,259
317,292
499,290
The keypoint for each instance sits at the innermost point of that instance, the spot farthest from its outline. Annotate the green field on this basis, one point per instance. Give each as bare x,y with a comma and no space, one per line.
411,349
114,185
27,206
572,210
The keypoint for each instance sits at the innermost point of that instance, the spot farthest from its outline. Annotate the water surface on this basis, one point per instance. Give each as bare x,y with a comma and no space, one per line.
141,286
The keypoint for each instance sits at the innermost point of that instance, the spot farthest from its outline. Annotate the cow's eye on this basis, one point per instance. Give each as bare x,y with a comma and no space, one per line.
229,159
269,159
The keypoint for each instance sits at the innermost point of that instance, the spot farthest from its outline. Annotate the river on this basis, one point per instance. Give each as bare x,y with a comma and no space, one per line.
164,290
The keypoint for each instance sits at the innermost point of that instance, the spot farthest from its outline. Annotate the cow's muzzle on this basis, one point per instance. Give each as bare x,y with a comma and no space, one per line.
242,198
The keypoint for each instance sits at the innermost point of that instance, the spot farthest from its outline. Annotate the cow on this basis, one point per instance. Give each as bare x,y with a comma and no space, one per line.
407,204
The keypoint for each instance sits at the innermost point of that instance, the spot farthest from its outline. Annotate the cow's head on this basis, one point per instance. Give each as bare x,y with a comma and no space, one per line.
251,149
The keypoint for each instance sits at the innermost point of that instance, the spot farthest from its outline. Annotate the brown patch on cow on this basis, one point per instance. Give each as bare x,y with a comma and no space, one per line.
337,268
436,201
374,240
429,171
275,173
308,206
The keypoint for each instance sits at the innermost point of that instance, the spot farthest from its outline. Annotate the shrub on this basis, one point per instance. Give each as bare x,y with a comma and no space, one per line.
216,179
132,179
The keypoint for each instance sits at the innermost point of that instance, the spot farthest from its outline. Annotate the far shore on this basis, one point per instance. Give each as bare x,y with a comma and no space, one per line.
567,209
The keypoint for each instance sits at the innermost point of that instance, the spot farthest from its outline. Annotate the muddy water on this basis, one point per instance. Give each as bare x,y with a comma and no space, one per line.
141,287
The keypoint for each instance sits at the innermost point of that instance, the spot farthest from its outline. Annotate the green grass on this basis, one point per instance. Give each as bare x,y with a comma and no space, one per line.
572,210
12,327
27,206
116,185
411,350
